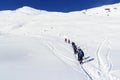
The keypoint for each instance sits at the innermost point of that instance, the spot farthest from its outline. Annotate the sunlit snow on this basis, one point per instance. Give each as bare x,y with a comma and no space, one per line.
32,44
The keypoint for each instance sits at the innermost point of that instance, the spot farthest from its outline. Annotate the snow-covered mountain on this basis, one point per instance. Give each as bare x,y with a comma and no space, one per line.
109,10
30,11
32,44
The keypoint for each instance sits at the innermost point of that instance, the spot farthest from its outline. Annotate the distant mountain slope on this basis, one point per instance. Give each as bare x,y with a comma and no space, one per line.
30,11
107,10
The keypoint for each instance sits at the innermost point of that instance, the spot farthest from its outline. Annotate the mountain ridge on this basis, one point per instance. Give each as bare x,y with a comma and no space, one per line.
106,10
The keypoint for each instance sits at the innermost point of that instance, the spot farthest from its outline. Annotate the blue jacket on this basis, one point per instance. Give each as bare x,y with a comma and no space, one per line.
80,53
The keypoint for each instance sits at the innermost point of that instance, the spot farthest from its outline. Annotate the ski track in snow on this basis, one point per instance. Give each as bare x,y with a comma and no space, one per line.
60,56
93,72
104,65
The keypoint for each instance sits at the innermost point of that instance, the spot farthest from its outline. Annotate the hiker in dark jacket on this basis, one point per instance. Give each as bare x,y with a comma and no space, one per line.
68,41
74,47
80,55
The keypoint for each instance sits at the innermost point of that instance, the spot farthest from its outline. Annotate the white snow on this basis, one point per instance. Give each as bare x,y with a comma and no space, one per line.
32,44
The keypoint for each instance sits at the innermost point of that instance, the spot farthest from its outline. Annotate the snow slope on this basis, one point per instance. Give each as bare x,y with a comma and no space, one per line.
33,48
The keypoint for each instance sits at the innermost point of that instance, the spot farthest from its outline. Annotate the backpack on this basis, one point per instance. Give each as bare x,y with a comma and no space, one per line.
80,53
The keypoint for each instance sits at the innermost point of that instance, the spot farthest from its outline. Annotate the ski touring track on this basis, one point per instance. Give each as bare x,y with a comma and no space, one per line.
102,71
72,63
91,71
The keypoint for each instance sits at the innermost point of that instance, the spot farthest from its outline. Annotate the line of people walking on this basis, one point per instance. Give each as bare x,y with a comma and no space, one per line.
77,50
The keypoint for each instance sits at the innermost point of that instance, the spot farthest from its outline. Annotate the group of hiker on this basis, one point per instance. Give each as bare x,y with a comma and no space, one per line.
77,50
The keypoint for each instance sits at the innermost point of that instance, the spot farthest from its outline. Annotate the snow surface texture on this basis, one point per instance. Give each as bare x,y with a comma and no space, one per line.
32,44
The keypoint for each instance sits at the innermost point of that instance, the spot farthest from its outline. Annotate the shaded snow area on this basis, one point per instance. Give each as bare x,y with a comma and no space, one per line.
32,45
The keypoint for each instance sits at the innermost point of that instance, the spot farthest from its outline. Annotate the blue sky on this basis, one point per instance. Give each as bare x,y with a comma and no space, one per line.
54,5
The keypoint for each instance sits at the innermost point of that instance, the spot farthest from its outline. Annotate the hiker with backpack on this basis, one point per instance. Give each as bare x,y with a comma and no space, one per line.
74,47
80,55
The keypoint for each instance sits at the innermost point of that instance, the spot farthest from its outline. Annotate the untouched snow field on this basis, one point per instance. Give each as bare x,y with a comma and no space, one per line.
32,44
